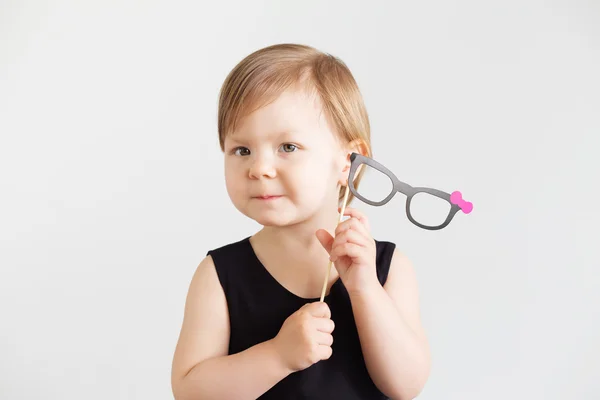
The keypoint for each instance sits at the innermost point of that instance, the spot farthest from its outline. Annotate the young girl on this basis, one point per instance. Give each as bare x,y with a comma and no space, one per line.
254,326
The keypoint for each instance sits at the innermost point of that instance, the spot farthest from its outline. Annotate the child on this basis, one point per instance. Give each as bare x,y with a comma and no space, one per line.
254,326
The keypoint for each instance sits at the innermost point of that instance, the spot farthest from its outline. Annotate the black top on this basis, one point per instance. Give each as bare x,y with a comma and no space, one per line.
258,305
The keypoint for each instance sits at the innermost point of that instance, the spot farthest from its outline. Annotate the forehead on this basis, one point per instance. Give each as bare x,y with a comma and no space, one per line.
293,111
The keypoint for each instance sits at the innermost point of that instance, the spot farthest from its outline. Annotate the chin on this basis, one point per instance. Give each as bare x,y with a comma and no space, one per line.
280,216
271,220
274,217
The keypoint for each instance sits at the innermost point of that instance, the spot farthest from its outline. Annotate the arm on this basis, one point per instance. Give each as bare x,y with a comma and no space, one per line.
392,339
201,367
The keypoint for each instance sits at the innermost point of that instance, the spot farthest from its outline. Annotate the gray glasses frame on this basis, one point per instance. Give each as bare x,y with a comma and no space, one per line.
455,200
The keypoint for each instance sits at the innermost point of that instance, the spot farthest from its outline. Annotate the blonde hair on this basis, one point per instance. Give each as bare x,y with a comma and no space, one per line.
263,75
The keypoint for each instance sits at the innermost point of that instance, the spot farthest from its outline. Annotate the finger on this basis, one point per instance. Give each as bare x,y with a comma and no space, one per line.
353,212
324,339
356,213
325,239
352,224
346,249
349,236
354,232
325,352
325,325
319,309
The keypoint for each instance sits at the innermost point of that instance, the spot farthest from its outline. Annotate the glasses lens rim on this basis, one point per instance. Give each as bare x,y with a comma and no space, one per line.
383,199
412,218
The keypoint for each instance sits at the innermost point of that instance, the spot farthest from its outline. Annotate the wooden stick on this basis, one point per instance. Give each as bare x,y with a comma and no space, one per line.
331,262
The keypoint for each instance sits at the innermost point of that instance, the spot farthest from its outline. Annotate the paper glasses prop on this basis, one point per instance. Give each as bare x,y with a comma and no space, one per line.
454,199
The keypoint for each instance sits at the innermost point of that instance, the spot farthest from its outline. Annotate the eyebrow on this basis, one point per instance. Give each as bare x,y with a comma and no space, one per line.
277,135
285,133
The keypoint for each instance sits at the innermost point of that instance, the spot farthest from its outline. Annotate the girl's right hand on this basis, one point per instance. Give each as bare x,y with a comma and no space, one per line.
305,337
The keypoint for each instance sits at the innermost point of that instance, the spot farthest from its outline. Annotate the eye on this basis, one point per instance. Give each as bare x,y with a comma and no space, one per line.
243,151
289,147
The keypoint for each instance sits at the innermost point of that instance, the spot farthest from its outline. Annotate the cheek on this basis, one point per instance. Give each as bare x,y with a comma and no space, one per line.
233,181
312,180
305,174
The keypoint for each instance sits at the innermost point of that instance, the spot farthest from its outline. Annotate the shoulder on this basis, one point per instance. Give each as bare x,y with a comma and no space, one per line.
210,280
401,271
403,288
204,282
205,291
385,248
389,253
228,260
384,255
227,248
400,277
230,253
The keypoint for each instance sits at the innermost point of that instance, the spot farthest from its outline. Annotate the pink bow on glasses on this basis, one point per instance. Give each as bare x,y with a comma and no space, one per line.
465,206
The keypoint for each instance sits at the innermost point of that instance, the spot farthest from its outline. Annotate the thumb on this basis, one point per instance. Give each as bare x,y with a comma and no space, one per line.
325,238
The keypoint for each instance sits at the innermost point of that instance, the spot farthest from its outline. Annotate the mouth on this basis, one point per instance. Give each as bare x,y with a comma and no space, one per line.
267,197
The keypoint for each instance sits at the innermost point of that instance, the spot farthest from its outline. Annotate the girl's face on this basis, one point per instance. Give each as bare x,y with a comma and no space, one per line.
283,163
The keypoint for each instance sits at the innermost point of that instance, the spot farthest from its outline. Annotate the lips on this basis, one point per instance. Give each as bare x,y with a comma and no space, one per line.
266,196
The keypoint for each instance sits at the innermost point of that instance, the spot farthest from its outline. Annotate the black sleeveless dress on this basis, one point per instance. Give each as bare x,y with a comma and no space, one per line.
258,305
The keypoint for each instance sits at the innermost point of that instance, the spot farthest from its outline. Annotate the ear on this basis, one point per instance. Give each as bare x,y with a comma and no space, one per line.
356,146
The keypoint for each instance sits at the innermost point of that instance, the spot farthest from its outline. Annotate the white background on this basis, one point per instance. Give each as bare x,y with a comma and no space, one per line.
112,184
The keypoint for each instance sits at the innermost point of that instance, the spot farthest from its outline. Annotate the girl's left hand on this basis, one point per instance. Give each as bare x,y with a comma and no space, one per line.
353,251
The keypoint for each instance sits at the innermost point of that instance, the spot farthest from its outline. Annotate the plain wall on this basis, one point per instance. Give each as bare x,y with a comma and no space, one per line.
112,190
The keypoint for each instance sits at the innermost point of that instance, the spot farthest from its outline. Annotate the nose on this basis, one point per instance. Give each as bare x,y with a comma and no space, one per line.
262,167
